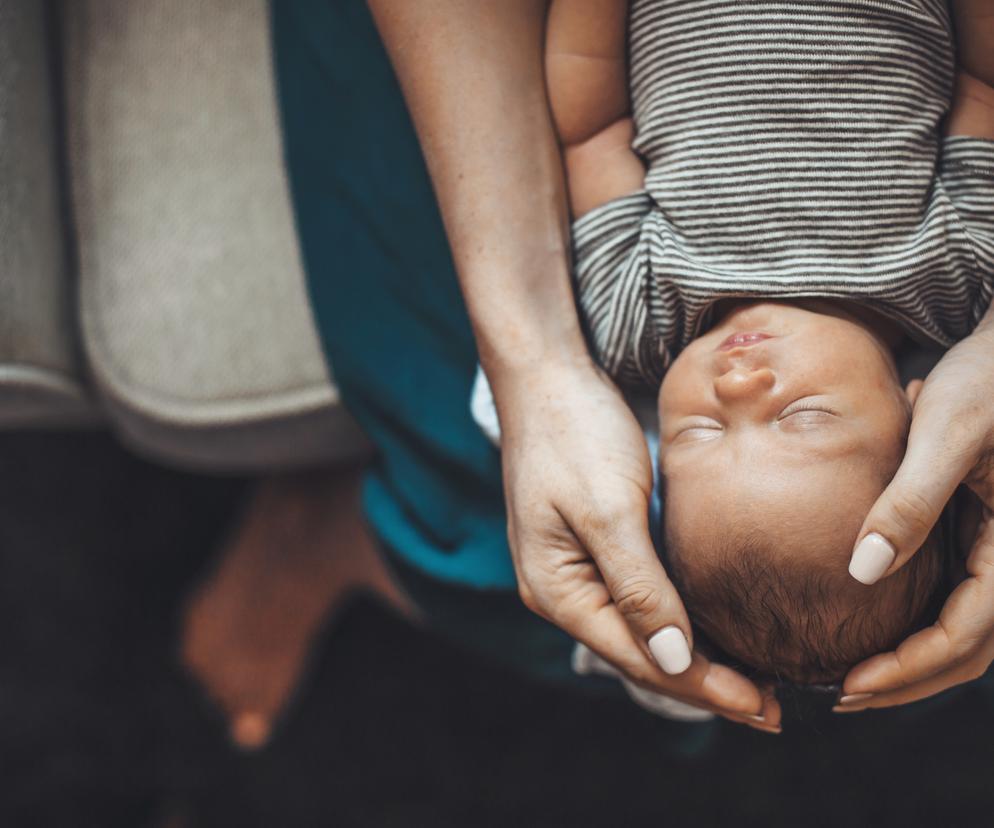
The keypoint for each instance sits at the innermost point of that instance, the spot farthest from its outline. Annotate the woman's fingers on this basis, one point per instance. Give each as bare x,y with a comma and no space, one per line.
597,623
963,632
725,689
618,541
904,514
770,715
917,659
568,590
915,692
768,720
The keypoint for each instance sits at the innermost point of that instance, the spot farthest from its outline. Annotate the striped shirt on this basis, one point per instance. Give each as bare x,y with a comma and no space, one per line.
794,149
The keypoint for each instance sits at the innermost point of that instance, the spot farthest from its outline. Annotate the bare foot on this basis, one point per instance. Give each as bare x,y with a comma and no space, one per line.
300,549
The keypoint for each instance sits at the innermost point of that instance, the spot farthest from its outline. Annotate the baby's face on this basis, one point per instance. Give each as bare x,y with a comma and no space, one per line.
784,421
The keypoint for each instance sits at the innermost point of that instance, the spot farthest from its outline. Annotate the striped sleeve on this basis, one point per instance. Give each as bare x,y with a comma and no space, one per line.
611,266
967,173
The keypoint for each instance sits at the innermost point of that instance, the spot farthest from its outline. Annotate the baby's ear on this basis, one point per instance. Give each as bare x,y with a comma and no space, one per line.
913,389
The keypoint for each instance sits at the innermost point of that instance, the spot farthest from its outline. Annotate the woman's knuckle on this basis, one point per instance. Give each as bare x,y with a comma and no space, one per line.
637,598
913,511
963,653
963,434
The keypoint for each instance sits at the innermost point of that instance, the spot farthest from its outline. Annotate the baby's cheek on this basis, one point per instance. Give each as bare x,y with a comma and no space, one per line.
684,386
688,519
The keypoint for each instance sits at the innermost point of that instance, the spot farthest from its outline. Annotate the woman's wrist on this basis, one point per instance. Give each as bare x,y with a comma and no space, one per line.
526,323
551,394
516,372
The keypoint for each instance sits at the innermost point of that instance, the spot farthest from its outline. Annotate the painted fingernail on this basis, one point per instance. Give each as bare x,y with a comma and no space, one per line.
855,698
871,559
756,717
670,649
774,729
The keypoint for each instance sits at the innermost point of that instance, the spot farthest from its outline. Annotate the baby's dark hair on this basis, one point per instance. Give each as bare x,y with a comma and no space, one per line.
790,620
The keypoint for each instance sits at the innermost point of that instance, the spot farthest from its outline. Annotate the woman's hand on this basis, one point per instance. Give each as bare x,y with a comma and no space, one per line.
578,479
951,442
577,471
958,648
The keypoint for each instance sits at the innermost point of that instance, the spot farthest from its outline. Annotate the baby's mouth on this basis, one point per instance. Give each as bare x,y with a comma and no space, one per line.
743,340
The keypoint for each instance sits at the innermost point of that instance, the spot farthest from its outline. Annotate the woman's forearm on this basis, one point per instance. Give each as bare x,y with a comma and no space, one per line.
472,75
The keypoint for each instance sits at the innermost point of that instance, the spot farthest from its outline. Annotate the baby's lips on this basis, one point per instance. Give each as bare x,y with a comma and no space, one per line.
871,558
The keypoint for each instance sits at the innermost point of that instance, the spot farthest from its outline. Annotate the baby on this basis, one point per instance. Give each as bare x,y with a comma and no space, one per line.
779,428
800,187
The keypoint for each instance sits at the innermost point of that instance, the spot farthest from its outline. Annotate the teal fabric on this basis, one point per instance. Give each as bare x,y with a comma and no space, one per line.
394,327
385,293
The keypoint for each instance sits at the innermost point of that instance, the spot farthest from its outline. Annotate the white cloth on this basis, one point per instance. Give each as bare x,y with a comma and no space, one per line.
483,408
586,662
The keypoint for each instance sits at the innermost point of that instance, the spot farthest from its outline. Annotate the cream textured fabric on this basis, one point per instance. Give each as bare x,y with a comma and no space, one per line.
195,312
39,380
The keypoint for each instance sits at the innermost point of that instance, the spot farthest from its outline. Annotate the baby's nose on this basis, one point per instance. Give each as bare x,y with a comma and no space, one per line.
741,383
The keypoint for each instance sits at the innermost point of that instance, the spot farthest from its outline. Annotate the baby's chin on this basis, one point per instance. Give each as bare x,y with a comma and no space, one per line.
789,315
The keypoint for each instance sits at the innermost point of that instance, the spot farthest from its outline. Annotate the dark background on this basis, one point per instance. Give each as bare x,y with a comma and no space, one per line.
99,726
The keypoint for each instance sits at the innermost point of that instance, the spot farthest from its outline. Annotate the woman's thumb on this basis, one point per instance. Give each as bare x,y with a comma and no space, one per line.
904,514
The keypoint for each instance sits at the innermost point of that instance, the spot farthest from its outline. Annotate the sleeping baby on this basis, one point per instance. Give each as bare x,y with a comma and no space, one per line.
778,200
